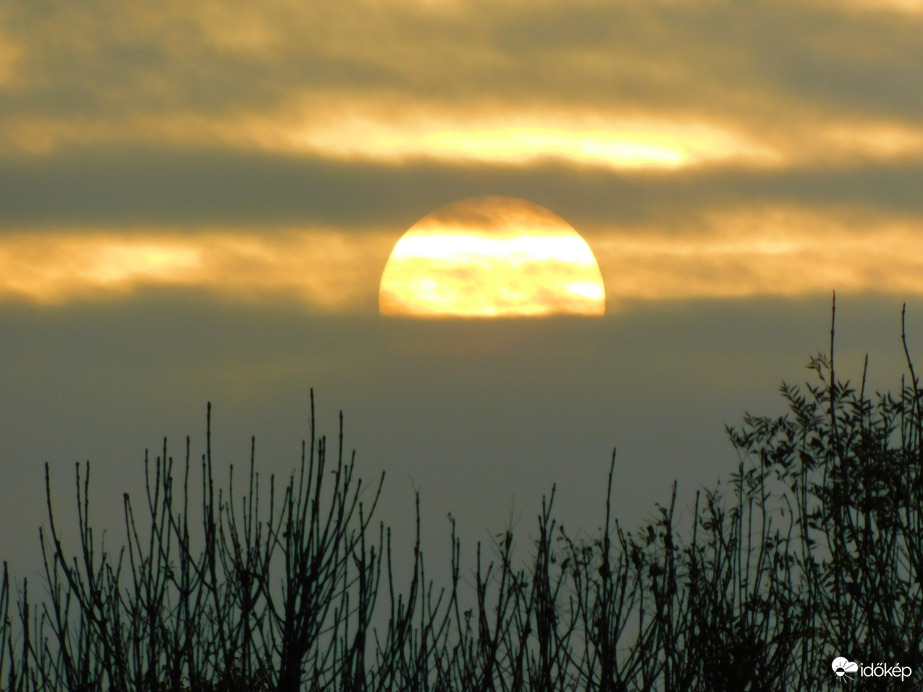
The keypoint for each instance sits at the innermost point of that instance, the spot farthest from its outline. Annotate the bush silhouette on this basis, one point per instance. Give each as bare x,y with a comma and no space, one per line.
812,550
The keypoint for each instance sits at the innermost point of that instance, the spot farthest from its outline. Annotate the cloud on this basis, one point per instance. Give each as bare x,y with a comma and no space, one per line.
283,267
190,189
662,128
226,74
726,253
765,252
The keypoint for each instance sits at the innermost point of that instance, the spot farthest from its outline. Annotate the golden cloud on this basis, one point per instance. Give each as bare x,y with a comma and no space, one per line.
10,55
874,140
909,6
325,270
521,137
367,131
659,85
783,252
615,140
767,252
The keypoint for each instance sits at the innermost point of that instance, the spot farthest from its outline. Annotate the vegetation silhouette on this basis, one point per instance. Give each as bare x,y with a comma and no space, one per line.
811,551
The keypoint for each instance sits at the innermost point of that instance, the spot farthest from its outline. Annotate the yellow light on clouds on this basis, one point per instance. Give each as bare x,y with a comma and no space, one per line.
475,261
325,270
491,257
766,252
54,268
909,6
521,138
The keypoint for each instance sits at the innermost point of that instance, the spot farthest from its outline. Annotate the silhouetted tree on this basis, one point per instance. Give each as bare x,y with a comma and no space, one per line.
811,550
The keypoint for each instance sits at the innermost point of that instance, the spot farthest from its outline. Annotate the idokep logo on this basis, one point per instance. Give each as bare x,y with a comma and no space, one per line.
844,668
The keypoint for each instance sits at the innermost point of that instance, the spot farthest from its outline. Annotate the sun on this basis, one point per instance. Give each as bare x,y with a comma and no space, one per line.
491,257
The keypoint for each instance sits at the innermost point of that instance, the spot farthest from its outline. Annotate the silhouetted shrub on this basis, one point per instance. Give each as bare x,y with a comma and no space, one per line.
811,551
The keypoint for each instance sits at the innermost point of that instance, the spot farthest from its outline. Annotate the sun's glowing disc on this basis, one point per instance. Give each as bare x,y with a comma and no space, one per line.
491,257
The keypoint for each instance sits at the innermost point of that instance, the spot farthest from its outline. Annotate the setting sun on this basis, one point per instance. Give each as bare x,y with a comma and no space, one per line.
491,257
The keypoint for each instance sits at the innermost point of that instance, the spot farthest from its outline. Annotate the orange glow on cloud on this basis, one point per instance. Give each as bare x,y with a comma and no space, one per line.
9,56
764,253
874,140
521,138
61,267
909,6
583,137
54,268
391,133
588,139
489,257
498,269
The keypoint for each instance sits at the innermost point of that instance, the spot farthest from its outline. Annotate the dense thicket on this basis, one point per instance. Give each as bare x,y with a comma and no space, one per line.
812,550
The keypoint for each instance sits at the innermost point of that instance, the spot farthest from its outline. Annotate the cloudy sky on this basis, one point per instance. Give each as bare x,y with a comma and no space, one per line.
197,202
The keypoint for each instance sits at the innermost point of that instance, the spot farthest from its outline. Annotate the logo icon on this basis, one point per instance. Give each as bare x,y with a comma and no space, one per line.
844,667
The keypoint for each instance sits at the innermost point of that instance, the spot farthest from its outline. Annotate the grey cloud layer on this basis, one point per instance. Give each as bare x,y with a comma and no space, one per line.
147,188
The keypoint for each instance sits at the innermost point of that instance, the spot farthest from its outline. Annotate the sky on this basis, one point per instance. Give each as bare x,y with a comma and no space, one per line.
198,201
